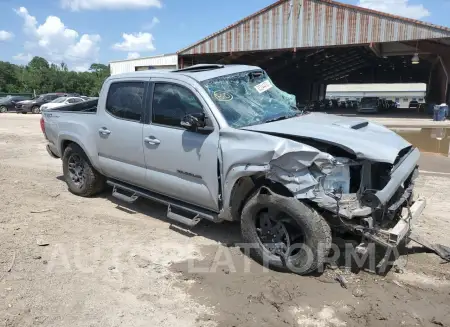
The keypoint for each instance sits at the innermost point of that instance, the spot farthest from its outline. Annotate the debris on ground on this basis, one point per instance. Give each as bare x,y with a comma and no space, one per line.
358,292
40,211
341,279
42,242
441,250
436,322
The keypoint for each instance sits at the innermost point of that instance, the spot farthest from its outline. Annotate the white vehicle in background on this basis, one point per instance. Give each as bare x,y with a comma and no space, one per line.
61,101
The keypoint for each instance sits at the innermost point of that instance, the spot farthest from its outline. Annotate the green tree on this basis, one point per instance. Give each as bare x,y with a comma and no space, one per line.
41,77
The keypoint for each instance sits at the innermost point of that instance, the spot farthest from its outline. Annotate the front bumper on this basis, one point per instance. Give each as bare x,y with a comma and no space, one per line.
401,173
23,108
404,226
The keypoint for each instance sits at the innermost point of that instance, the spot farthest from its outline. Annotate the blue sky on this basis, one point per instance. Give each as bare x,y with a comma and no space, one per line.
80,32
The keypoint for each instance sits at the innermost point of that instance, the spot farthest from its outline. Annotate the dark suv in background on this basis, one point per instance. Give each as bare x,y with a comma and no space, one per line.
33,105
8,103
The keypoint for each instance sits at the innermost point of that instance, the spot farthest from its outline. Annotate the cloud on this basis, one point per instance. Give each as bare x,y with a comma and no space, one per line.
133,55
155,21
77,5
397,7
23,57
55,42
5,35
135,42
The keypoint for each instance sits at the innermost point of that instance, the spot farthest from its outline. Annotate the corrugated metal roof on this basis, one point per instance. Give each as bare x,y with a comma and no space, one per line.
313,23
391,87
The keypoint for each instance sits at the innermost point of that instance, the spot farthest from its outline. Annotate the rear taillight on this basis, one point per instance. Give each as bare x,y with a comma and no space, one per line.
42,125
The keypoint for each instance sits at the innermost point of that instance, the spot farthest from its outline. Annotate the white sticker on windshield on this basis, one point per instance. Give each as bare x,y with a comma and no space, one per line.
263,87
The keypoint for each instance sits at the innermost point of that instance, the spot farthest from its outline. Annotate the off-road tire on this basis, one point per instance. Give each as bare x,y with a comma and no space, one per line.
316,230
35,110
3,109
95,182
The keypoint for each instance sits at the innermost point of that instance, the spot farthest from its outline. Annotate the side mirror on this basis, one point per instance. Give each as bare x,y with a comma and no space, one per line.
193,122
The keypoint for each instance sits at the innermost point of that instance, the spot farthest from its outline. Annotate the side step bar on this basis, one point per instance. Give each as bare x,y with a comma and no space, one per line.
186,214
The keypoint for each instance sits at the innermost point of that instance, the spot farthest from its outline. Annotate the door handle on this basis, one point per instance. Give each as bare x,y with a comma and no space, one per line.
104,131
152,140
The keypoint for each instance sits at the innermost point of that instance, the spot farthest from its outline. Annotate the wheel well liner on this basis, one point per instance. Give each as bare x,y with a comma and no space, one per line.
245,186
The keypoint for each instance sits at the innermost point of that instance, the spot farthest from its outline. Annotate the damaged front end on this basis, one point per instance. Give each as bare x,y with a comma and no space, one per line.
372,199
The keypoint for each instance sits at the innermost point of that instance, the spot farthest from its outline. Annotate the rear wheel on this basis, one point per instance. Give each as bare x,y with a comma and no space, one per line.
3,109
35,110
285,233
79,174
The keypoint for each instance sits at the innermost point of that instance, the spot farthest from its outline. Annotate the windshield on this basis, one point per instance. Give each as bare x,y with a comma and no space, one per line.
59,100
250,98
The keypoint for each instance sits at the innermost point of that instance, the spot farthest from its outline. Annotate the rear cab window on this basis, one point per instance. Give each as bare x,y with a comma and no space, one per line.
125,100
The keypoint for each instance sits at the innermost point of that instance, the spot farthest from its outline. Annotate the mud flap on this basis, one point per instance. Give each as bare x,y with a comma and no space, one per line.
441,250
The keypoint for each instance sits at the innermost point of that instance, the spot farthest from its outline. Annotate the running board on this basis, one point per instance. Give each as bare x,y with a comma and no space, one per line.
119,188
126,198
191,222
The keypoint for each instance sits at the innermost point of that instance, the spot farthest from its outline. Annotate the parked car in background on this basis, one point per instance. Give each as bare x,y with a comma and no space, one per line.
370,105
35,104
61,101
413,104
8,103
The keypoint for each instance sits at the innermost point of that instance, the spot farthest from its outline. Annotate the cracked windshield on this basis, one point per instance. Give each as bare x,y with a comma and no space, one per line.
250,98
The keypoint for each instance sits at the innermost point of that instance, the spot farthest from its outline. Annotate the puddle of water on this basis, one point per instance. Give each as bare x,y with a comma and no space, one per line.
434,140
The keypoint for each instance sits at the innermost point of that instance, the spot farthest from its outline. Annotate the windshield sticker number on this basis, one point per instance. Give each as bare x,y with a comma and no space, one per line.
223,96
263,87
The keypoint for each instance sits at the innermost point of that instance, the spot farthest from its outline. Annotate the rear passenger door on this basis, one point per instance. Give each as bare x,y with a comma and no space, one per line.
119,131
181,164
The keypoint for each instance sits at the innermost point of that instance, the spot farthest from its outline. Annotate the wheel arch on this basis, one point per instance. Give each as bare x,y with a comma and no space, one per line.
245,186
67,139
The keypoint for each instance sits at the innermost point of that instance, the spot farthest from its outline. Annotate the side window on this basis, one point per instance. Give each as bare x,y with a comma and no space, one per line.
74,100
125,100
171,103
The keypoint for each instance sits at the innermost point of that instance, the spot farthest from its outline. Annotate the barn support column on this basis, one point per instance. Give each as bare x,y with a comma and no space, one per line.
438,83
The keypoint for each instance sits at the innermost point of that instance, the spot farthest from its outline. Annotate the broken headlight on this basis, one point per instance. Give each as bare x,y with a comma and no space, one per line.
337,173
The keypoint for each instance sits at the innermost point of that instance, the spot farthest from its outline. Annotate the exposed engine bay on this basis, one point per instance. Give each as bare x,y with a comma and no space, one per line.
347,189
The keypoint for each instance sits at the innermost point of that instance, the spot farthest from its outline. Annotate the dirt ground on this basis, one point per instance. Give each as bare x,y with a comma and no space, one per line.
70,261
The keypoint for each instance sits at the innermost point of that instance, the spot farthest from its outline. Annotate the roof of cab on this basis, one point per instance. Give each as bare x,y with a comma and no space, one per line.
202,74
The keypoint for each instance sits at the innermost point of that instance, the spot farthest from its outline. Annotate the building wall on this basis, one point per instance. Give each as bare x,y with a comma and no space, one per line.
401,97
157,62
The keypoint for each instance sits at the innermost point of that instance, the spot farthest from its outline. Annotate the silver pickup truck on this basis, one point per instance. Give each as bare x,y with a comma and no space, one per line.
222,143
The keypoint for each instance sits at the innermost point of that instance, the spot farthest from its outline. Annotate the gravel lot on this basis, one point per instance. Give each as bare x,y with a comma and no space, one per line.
70,261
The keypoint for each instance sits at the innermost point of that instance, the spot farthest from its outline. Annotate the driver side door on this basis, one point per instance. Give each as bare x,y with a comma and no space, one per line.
181,164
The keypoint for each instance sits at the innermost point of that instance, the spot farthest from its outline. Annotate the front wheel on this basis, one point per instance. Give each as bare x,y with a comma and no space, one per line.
35,110
3,109
285,233
79,174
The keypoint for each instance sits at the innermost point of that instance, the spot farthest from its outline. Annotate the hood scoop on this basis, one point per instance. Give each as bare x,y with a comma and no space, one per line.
352,123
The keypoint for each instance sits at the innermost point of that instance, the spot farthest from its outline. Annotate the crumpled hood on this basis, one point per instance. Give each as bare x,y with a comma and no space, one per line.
366,140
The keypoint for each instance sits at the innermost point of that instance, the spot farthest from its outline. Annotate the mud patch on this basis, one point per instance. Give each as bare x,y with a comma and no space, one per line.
243,293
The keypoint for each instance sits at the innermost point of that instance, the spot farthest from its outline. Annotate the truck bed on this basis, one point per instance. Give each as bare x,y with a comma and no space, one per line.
89,106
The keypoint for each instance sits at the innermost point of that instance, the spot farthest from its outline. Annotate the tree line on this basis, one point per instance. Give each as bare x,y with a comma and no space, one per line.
39,76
